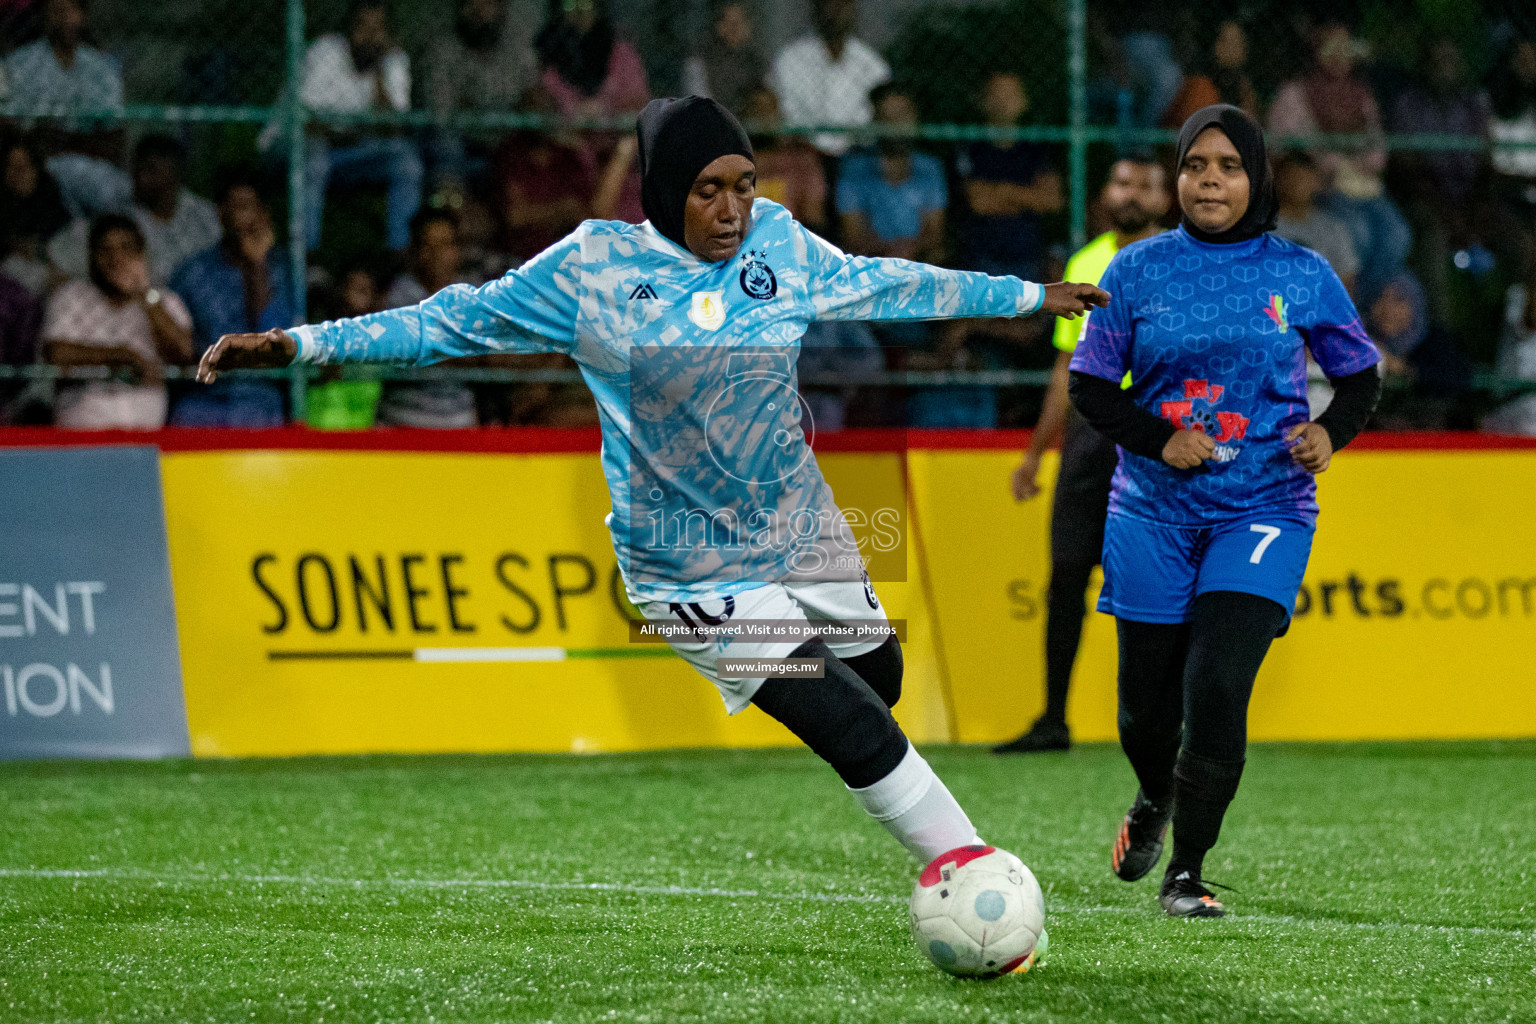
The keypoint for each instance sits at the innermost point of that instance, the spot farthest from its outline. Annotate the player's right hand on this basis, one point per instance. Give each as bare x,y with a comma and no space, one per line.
267,350
1186,449
1024,484
1070,300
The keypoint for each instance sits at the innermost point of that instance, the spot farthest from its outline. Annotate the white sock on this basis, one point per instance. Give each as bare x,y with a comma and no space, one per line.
917,808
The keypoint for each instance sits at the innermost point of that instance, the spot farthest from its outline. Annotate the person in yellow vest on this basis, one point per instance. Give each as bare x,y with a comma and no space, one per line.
1135,199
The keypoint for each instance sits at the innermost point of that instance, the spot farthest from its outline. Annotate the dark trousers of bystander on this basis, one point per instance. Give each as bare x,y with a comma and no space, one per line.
1079,508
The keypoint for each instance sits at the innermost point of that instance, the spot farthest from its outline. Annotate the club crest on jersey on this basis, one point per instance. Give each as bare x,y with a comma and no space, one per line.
708,310
1276,312
757,278
1194,412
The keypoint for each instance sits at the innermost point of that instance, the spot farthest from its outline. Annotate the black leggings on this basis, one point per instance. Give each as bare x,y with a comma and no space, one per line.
1197,675
845,718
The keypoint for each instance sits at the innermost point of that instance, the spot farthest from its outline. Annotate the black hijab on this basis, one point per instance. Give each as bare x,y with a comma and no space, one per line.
678,139
1248,139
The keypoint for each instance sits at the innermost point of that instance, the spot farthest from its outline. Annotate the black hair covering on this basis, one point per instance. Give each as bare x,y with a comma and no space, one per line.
678,139
1248,138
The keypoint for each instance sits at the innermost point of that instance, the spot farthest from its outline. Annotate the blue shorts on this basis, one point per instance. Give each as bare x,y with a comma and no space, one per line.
1153,573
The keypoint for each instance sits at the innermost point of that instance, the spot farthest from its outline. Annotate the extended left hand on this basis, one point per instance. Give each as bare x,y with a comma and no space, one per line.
266,350
1071,300
1310,446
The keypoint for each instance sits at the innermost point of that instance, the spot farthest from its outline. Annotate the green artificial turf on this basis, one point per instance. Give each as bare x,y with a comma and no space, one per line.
1376,883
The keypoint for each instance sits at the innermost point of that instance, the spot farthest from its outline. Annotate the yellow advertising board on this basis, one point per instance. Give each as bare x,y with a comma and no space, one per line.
1417,618
342,602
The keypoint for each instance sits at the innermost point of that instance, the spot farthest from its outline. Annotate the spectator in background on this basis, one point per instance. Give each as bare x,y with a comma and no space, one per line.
618,184
18,21
1438,187
1517,348
789,170
1008,186
842,350
1150,76
825,78
176,224
589,74
891,200
485,63
1222,77
115,318
19,315
237,286
435,263
356,72
1332,98
332,403
1297,185
729,65
357,293
31,212
542,404
1517,357
587,69
543,184
1512,97
59,73
1420,354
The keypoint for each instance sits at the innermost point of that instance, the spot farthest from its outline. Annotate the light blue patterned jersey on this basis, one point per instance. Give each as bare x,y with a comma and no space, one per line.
714,485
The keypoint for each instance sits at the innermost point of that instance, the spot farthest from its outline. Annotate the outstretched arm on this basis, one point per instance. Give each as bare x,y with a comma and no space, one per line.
848,287
532,309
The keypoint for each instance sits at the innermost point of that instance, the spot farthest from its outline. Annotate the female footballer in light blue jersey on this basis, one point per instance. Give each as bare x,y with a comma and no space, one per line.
687,329
1213,504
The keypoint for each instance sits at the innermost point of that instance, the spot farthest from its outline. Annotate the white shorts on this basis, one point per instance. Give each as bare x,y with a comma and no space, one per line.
837,602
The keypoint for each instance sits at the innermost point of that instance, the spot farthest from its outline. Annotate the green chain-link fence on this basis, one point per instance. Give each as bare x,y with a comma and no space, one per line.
1449,142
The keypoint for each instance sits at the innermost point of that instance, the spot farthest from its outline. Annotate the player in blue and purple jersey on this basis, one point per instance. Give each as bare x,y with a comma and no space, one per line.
1214,503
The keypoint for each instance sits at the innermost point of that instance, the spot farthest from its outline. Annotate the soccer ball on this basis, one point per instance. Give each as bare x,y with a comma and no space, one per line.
978,912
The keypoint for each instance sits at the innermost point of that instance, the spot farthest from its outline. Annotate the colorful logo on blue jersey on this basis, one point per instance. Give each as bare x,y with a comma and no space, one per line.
757,278
1276,312
1195,412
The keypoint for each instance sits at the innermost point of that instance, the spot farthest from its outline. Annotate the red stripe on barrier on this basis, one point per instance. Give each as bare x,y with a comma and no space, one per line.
524,440
1449,440
516,440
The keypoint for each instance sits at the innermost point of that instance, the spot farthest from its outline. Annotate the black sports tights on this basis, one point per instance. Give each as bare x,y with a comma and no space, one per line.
881,669
841,717
1198,675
